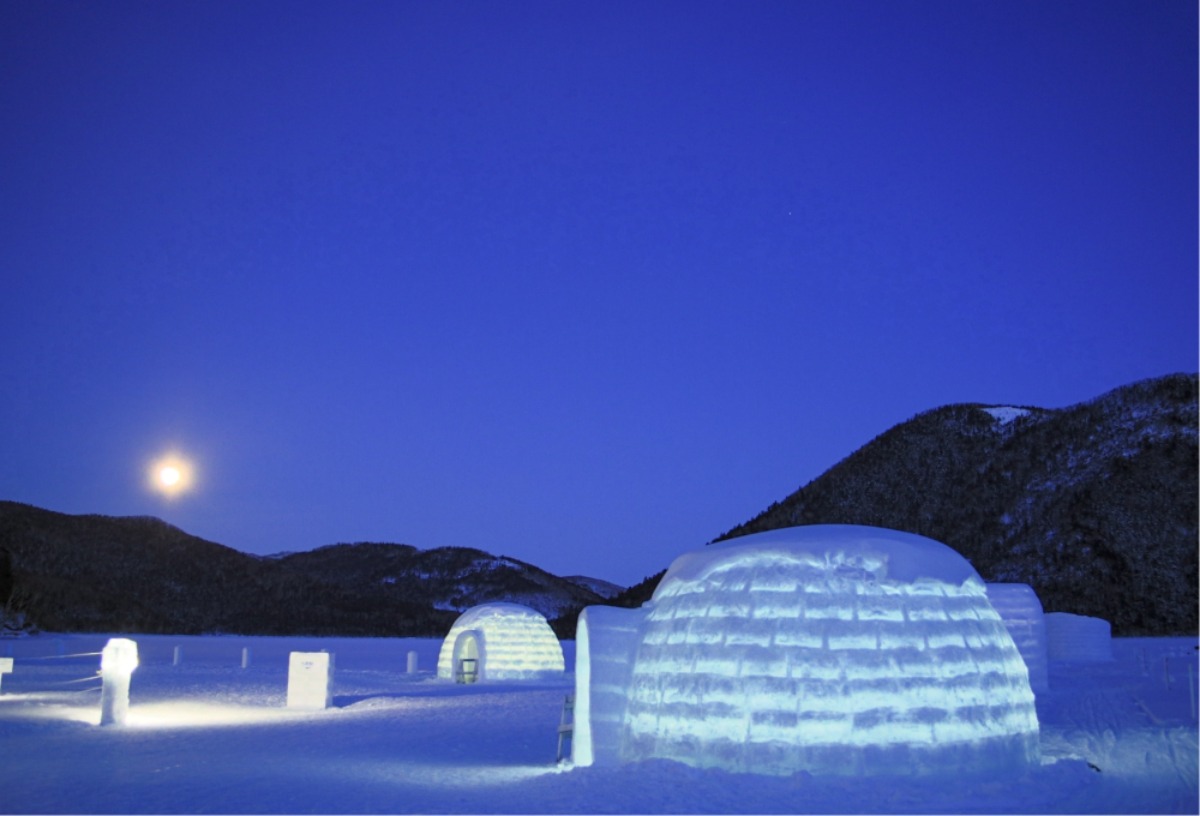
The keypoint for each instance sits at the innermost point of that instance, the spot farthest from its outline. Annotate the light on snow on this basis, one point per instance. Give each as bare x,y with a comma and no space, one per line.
828,649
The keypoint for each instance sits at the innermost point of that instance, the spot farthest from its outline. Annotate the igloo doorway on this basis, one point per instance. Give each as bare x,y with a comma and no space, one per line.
468,651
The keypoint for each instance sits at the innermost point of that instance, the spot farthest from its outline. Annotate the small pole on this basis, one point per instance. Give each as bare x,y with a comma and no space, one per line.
412,662
245,657
1166,674
1192,688
178,656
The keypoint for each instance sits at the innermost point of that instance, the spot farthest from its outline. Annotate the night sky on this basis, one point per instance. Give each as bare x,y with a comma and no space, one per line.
581,283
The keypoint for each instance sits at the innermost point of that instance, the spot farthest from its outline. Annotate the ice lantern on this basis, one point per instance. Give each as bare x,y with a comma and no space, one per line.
117,662
831,649
500,641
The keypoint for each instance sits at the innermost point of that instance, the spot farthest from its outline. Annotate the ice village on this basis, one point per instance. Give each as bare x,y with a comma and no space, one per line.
809,669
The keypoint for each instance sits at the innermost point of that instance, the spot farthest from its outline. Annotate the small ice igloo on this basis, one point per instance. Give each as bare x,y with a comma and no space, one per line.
829,649
500,641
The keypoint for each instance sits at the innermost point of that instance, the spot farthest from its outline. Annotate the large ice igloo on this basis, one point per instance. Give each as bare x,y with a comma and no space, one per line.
828,649
500,641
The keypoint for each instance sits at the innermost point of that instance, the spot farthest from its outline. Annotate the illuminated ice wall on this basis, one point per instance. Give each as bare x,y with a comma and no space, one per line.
605,641
510,642
829,649
1021,611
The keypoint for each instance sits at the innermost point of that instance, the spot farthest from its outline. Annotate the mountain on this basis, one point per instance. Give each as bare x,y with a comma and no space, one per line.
603,589
139,574
1094,506
448,578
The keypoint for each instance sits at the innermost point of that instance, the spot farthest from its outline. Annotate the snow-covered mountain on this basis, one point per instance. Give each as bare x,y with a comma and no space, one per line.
604,589
1094,505
447,578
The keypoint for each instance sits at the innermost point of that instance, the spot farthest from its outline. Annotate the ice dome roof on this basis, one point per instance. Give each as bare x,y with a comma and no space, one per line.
831,649
886,554
512,642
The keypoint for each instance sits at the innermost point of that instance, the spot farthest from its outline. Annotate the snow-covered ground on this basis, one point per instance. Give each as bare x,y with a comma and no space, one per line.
208,736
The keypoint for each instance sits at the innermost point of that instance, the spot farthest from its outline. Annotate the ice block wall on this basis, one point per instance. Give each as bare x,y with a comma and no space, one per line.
1021,611
1078,637
605,641
830,649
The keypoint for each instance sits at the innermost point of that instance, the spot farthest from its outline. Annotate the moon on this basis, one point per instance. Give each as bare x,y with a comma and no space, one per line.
171,474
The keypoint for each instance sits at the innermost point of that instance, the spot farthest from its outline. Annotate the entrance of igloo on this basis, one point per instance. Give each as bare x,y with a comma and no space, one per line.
469,656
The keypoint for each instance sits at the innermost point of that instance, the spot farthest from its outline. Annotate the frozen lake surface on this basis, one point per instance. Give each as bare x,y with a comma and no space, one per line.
209,736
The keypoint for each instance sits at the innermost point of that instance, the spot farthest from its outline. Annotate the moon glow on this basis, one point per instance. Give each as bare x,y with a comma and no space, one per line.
171,475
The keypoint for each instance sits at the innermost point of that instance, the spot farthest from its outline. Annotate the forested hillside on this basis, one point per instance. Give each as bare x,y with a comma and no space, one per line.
1095,505
445,577
98,573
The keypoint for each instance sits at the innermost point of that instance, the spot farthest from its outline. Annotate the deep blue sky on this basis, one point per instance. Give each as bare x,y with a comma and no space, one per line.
582,283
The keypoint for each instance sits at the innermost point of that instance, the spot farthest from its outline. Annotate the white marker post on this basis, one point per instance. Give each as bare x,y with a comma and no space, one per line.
6,664
117,662
310,680
412,662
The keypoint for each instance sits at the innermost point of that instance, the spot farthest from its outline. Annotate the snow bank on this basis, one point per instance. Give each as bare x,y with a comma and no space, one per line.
830,649
1078,637
508,641
1021,611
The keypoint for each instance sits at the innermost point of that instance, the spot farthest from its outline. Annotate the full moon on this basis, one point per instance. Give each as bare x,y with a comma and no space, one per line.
171,475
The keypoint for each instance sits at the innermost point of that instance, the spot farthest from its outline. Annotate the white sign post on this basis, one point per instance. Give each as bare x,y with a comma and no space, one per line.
310,680
117,662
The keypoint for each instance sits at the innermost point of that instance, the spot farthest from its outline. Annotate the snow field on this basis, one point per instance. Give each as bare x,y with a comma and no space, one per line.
209,736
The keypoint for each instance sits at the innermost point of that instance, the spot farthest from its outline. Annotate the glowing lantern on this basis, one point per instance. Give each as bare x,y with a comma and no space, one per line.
117,662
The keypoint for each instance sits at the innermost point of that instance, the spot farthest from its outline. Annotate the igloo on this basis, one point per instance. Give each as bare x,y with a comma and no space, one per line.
1021,611
829,649
500,641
